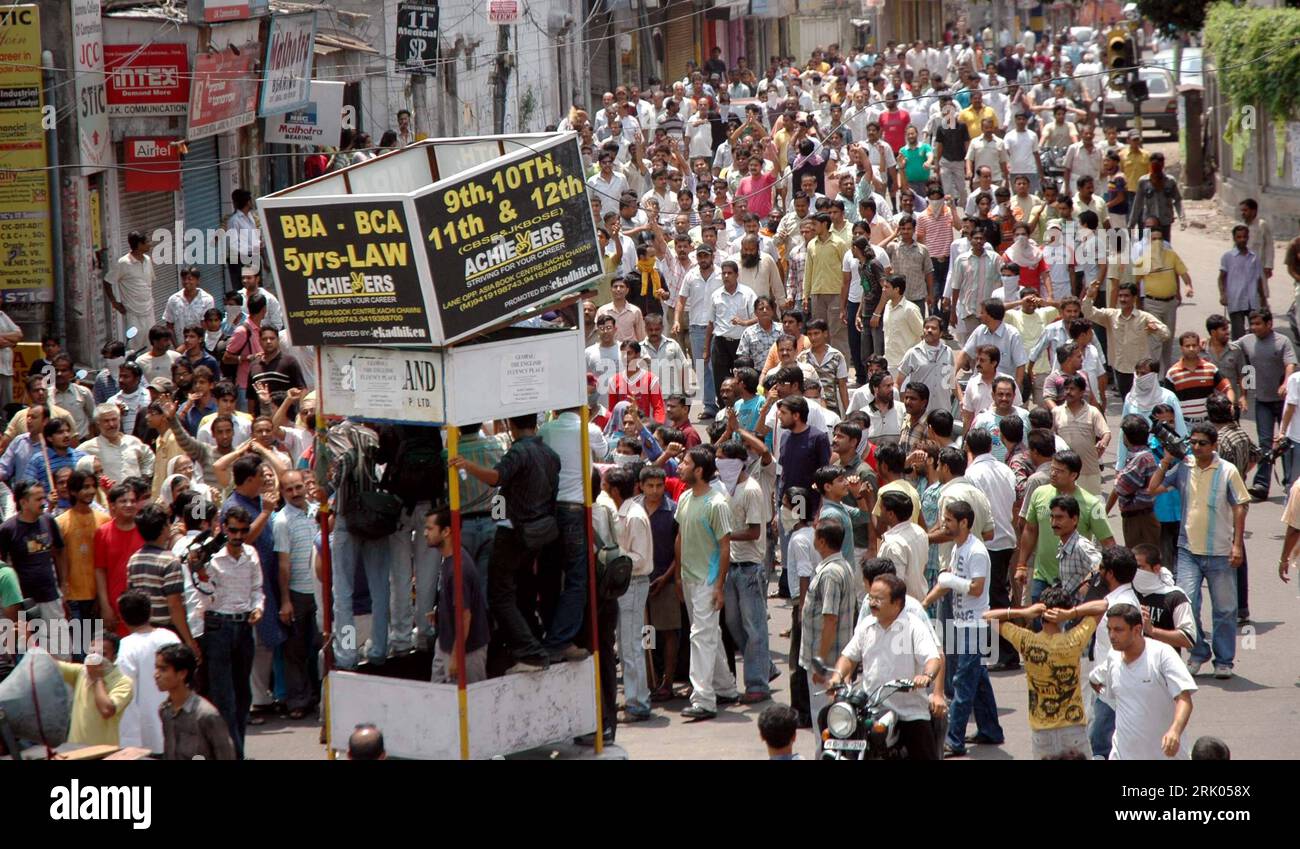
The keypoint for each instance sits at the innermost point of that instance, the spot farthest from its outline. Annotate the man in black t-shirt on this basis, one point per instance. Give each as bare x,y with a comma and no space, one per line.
950,138
1166,611
437,533
30,542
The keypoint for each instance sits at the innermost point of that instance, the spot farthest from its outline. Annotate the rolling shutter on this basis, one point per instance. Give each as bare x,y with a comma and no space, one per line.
149,212
679,42
201,186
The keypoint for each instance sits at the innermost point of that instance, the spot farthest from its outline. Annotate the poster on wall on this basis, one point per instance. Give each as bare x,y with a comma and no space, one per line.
25,265
90,93
223,96
320,122
286,72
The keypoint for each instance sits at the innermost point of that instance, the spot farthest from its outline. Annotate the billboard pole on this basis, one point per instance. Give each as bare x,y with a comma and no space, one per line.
320,464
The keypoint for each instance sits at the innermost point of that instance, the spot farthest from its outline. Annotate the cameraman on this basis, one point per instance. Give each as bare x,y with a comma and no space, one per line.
197,514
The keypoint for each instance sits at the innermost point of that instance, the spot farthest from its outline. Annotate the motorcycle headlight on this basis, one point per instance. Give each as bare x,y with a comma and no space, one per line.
841,720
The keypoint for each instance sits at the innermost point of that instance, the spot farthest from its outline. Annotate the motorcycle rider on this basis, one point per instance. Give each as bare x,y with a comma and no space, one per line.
890,646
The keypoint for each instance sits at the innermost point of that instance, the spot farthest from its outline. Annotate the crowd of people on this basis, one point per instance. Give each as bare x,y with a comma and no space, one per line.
902,335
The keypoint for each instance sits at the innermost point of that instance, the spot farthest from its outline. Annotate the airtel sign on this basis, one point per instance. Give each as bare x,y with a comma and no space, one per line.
153,164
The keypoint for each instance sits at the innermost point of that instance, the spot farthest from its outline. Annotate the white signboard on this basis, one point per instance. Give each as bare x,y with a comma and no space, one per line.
318,123
91,94
503,11
382,383
286,73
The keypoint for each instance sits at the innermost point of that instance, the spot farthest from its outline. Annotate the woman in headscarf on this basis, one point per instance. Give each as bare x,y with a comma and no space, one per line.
625,420
184,465
1145,395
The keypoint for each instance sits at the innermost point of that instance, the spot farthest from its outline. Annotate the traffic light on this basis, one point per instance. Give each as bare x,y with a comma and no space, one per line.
1120,58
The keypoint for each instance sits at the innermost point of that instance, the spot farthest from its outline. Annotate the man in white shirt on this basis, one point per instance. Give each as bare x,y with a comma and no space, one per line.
1023,153
905,543
1082,159
243,235
998,483
603,358
121,454
968,581
186,307
696,300
1151,688
607,185
632,530
746,602
890,645
10,335
930,362
128,285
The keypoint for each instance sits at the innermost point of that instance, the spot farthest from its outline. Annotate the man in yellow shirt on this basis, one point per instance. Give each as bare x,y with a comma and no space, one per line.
1159,270
973,116
824,275
1134,160
1051,658
101,692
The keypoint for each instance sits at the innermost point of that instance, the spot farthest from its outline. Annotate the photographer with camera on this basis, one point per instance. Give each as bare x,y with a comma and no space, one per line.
1211,543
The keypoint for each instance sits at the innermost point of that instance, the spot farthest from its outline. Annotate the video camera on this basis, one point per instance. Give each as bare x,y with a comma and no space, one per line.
1170,441
205,545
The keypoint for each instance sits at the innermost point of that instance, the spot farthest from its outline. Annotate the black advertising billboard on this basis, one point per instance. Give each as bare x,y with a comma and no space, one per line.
507,236
346,270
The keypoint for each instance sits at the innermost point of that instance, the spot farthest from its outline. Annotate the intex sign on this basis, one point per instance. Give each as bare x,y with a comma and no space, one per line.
153,80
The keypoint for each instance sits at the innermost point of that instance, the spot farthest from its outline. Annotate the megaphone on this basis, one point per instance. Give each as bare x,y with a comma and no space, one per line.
34,703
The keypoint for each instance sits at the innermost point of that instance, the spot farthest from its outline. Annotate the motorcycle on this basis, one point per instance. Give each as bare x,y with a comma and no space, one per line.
860,726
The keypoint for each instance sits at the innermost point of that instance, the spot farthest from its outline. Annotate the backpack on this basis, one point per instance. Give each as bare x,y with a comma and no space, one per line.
370,512
613,567
230,371
417,472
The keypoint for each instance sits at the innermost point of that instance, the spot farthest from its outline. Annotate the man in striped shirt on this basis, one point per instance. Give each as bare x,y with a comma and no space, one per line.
155,571
934,229
1196,378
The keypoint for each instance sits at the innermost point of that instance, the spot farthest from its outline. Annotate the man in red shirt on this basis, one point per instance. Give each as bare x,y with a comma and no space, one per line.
678,410
115,542
637,385
894,122
756,188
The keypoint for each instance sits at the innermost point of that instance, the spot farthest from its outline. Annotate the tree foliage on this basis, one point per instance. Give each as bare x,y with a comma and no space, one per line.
1179,15
1257,56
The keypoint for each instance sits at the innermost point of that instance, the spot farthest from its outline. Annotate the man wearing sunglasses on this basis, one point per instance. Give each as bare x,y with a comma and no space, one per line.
1211,541
236,605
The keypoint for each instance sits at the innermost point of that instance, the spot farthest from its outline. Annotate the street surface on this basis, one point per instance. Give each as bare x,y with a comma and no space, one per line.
1255,712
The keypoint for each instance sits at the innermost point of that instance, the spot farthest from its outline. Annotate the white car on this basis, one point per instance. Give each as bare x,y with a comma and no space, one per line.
1159,112
1189,65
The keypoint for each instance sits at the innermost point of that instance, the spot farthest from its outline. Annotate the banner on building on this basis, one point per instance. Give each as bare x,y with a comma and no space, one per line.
152,79
286,73
153,164
216,11
89,90
346,269
506,11
320,122
25,267
223,96
508,236
417,37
